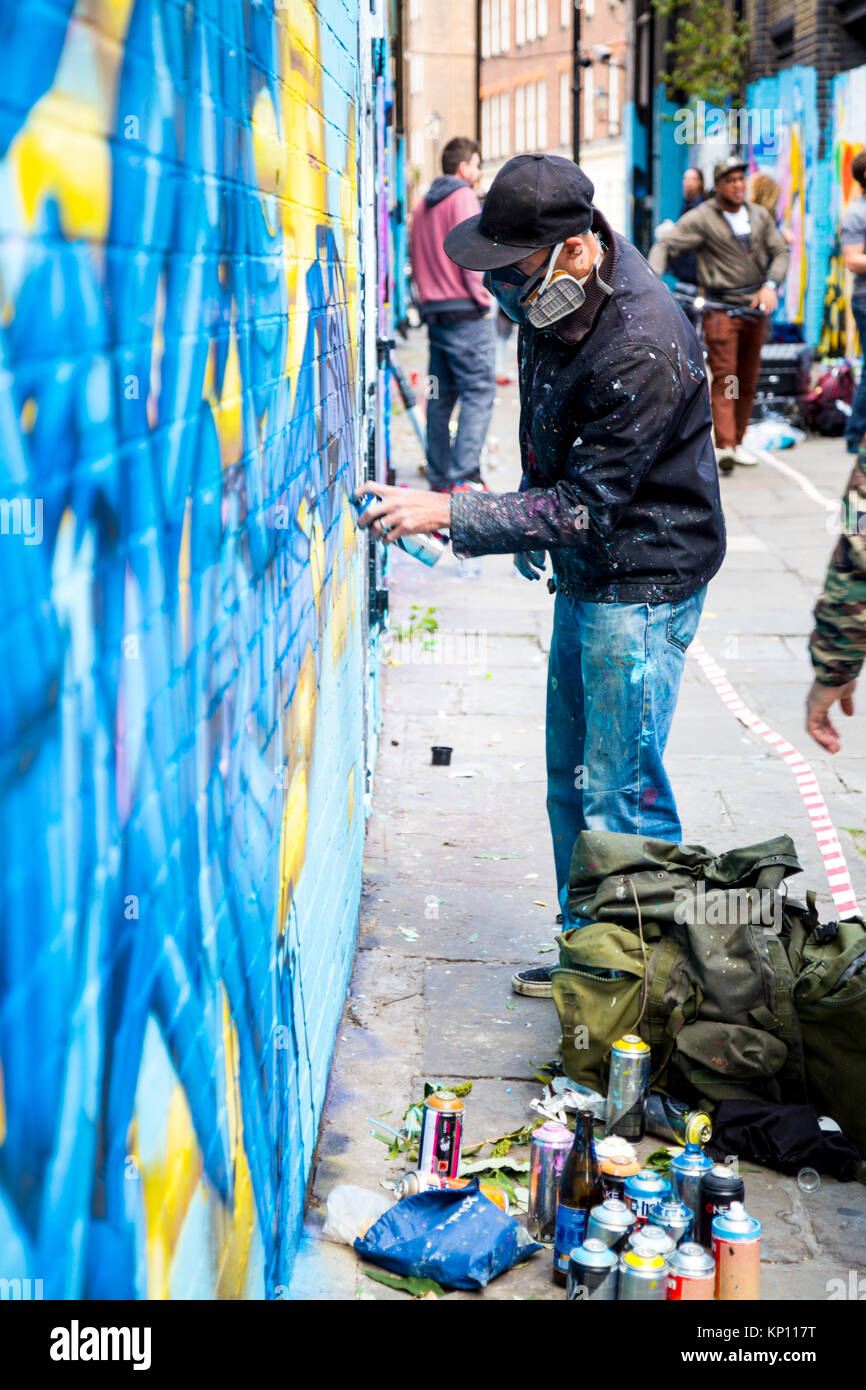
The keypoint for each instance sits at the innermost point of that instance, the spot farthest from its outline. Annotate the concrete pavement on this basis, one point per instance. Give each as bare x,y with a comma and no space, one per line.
459,871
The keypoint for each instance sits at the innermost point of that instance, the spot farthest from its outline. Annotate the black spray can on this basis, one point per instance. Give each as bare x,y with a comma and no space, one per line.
719,1187
592,1271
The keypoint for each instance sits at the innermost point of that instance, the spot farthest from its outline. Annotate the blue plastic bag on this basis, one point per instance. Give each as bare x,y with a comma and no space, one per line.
457,1237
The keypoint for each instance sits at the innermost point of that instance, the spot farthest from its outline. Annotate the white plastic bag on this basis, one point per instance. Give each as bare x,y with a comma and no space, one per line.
351,1211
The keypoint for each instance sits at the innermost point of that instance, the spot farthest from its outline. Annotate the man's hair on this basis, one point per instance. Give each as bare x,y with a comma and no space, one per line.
858,168
458,151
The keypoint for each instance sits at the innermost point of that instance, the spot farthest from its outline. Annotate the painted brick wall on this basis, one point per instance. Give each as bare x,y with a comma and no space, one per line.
182,629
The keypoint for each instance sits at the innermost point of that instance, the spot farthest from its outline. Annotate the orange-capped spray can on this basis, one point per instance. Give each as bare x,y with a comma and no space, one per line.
412,1183
441,1140
737,1253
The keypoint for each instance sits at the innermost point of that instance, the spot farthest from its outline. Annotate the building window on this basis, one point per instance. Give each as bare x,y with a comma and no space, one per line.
416,74
588,8
486,152
504,125
531,140
519,119
495,45
485,28
588,104
782,37
565,9
531,20
564,110
519,22
418,147
505,27
542,18
613,101
541,113
415,9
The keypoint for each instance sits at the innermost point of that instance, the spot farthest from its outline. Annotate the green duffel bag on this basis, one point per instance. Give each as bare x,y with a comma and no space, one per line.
707,981
598,991
830,999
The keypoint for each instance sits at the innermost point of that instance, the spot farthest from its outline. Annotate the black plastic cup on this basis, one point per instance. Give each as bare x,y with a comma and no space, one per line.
441,756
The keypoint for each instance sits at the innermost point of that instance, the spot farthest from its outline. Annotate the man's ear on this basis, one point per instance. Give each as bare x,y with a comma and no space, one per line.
579,254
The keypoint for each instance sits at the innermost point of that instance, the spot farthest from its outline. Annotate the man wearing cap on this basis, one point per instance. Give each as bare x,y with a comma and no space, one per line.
742,258
619,484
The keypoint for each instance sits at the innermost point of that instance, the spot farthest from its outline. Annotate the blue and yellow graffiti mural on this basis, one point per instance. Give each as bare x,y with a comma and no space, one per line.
182,704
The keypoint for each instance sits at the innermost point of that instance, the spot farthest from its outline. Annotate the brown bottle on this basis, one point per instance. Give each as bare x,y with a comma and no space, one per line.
579,1191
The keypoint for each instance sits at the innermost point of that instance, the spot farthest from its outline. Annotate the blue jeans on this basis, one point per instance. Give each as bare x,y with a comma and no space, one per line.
855,426
612,686
462,368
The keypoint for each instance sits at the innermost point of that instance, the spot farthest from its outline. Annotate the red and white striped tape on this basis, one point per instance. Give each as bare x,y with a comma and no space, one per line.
835,866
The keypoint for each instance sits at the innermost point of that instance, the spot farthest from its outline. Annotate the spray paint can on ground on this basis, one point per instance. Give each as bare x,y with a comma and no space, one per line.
551,1144
691,1274
412,1183
736,1240
674,1217
643,1191
441,1135
611,1222
719,1188
642,1276
687,1170
652,1240
592,1271
674,1121
618,1161
627,1086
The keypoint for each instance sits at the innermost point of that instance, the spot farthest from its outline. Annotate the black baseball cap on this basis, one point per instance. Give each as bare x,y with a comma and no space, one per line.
535,200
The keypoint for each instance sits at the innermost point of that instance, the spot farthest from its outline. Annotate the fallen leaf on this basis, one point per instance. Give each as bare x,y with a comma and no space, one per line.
473,937
546,948
418,1288
409,934
538,902
510,1004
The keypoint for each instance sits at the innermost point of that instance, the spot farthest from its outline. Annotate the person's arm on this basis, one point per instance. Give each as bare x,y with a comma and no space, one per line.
685,235
838,643
854,258
631,421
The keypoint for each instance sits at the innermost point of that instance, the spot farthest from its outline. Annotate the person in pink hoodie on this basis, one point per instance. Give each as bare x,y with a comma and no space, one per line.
457,311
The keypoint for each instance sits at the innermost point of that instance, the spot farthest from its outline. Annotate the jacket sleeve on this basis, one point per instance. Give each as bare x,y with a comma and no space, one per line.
616,444
838,644
778,251
685,235
462,204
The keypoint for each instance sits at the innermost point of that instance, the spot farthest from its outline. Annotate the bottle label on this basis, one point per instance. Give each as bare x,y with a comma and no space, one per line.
570,1231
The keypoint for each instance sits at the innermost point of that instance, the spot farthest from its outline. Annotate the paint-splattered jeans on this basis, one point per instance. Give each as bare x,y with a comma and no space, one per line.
612,686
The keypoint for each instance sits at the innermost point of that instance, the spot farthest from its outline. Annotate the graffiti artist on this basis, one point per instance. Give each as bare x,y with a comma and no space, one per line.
614,428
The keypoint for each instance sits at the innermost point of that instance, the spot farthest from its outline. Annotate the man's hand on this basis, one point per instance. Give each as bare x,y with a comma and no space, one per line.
524,561
766,300
818,703
403,511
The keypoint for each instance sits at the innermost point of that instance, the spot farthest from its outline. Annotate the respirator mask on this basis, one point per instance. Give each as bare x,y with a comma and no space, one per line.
559,293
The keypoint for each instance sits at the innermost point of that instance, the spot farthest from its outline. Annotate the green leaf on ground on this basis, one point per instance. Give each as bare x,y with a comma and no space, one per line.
510,1004
659,1159
551,947
409,1284
473,937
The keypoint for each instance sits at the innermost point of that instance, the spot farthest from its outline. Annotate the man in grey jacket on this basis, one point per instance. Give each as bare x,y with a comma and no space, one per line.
742,258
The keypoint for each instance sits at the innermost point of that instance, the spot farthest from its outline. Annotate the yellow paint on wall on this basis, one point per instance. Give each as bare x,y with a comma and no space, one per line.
233,1229
168,1188
183,578
340,614
293,839
351,792
51,158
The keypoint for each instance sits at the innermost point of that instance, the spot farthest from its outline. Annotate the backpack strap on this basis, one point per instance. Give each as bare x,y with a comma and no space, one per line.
785,1024
663,1028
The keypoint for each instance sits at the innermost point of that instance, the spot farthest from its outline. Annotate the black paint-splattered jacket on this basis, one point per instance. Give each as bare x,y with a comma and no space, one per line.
620,480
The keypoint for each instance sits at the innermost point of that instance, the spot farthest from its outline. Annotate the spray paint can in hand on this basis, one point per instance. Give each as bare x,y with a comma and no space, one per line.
441,1140
737,1254
611,1222
551,1143
643,1191
673,1121
691,1274
627,1087
592,1272
428,549
642,1276
687,1169
719,1188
